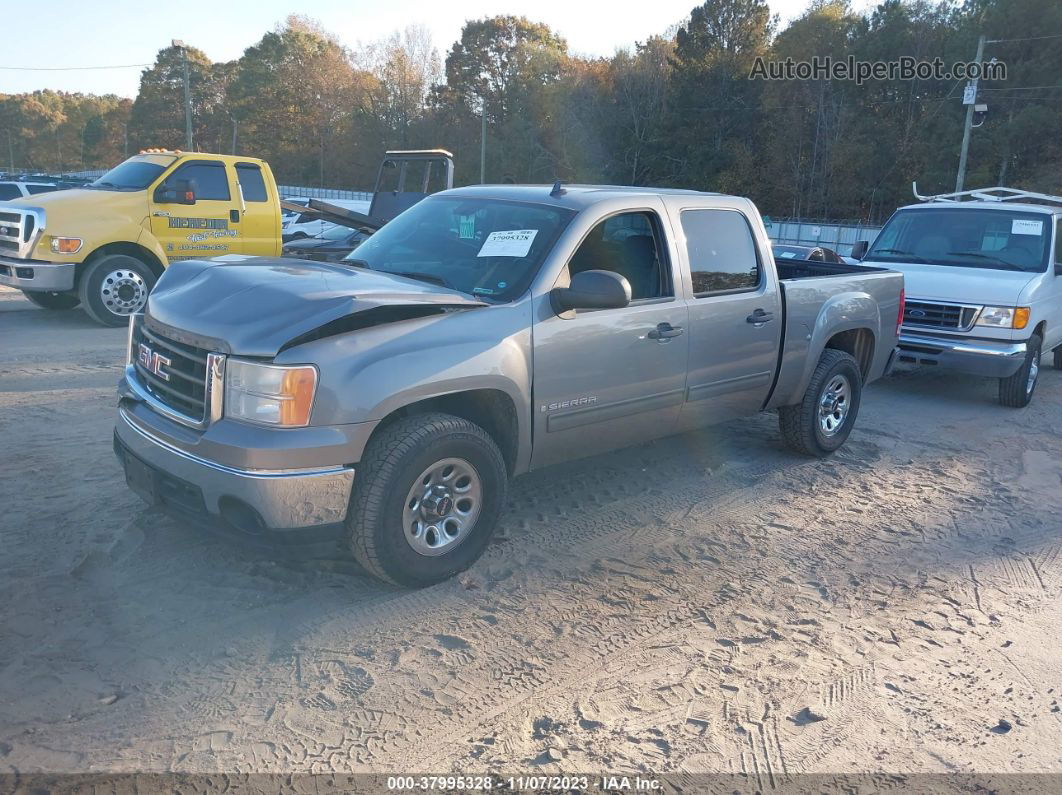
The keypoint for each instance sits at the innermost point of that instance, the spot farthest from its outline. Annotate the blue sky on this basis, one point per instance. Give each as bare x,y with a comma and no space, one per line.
107,33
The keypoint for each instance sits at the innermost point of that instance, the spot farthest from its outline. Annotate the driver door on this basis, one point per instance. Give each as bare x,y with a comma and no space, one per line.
208,228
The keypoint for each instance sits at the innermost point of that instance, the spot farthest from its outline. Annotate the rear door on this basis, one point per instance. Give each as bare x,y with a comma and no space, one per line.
735,316
209,228
260,224
609,378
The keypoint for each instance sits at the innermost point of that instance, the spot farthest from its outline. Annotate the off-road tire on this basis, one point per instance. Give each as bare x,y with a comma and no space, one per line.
800,426
92,282
392,461
52,300
1016,391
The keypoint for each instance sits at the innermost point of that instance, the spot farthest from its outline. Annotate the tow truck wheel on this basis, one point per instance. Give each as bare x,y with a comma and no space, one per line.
114,287
1017,391
821,422
48,300
427,495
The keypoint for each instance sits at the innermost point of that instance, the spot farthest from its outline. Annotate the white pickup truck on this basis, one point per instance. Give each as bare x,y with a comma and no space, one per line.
983,278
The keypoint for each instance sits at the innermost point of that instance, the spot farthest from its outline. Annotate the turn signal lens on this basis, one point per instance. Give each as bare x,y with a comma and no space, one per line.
1021,317
66,245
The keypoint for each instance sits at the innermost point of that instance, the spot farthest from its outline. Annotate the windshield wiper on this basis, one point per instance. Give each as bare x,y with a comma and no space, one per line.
889,251
425,277
979,255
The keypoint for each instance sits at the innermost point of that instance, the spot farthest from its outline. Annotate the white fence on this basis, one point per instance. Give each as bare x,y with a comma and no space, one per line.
840,236
296,192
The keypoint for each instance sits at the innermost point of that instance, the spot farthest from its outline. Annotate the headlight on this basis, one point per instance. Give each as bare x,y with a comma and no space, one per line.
1004,317
66,245
269,394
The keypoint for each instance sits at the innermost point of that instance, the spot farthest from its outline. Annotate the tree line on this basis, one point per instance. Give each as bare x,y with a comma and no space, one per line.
676,109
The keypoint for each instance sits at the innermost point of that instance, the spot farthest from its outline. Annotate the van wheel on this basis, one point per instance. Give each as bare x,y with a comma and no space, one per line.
51,300
1017,391
427,495
821,422
114,287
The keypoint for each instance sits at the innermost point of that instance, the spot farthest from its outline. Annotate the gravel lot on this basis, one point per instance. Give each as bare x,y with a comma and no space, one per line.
709,602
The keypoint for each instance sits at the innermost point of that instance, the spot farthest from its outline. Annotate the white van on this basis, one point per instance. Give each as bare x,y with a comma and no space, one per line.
983,281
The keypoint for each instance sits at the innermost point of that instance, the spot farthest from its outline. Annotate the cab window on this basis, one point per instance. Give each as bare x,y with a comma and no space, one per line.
251,182
9,192
721,250
209,180
628,244
1058,242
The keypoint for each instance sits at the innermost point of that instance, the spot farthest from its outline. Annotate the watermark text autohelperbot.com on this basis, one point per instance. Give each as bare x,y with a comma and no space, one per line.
826,67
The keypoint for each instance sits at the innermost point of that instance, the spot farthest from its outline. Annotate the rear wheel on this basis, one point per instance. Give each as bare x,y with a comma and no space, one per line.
1017,391
427,495
50,300
821,422
114,287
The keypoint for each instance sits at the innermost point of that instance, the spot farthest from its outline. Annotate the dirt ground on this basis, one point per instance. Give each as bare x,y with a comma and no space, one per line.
706,603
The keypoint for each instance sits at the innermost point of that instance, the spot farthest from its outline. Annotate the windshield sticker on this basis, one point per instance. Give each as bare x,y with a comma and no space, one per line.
511,243
467,225
787,255
482,291
1022,227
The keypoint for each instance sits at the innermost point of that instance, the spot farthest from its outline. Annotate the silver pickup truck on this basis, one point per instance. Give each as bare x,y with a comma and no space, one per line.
387,400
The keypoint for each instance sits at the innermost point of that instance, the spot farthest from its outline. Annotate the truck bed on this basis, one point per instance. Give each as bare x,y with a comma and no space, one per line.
825,295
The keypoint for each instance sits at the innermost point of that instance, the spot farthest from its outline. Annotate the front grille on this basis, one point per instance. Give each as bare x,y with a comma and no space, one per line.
185,391
930,314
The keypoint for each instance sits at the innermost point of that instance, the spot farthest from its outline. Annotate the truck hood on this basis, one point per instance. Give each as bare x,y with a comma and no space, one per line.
257,306
947,283
77,211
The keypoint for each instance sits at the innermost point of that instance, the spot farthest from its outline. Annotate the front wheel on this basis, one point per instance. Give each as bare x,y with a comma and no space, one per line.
821,422
51,300
114,287
1017,390
427,495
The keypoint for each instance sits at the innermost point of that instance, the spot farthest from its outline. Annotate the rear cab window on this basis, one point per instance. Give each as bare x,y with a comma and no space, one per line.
721,250
252,183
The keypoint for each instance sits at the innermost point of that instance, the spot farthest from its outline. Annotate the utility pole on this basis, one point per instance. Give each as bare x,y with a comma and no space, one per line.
234,123
125,136
960,178
483,144
187,95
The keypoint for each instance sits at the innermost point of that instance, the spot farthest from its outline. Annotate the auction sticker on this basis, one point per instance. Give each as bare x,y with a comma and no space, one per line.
511,243
1022,227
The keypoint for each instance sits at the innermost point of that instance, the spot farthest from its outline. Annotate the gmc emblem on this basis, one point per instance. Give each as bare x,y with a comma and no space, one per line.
152,361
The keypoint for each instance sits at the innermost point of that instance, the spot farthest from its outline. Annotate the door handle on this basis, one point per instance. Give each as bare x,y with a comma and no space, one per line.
665,331
234,216
759,317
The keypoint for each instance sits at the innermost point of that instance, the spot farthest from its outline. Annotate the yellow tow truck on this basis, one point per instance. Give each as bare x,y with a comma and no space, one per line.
103,246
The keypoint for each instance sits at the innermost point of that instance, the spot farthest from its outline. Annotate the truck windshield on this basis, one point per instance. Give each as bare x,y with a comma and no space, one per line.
489,248
134,174
965,237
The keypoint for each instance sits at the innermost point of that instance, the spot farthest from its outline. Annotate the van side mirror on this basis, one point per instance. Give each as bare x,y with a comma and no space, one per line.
592,290
859,250
180,191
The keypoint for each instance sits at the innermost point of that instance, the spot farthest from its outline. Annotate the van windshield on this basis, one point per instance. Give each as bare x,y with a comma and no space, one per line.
136,173
965,237
489,248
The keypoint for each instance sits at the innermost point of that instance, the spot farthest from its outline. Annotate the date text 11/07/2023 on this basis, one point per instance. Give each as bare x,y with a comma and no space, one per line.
532,783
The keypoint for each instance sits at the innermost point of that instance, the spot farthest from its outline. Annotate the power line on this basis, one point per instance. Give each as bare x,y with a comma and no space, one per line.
69,68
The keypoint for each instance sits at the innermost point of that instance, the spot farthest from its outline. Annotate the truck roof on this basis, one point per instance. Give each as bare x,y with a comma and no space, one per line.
1022,207
202,155
576,197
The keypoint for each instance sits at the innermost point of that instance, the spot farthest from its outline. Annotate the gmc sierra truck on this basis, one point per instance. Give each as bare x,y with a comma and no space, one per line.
385,401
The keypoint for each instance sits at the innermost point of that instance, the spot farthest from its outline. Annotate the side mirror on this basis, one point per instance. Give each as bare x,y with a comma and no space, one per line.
180,191
859,250
592,290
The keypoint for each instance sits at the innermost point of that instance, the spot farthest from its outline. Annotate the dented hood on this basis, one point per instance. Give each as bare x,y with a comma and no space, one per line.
253,306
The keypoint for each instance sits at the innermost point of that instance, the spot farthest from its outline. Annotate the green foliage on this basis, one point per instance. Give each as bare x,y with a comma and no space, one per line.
675,110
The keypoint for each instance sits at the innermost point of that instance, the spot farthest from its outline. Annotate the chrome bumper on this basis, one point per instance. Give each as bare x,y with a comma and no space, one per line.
978,357
249,500
37,276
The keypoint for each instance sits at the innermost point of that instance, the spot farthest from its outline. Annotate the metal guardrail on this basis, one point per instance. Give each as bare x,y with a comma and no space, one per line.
296,192
838,235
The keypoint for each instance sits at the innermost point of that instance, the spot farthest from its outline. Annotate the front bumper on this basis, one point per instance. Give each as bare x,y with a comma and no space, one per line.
284,504
37,275
995,359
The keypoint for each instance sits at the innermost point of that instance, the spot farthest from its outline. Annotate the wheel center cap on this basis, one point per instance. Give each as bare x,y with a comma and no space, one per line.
438,503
